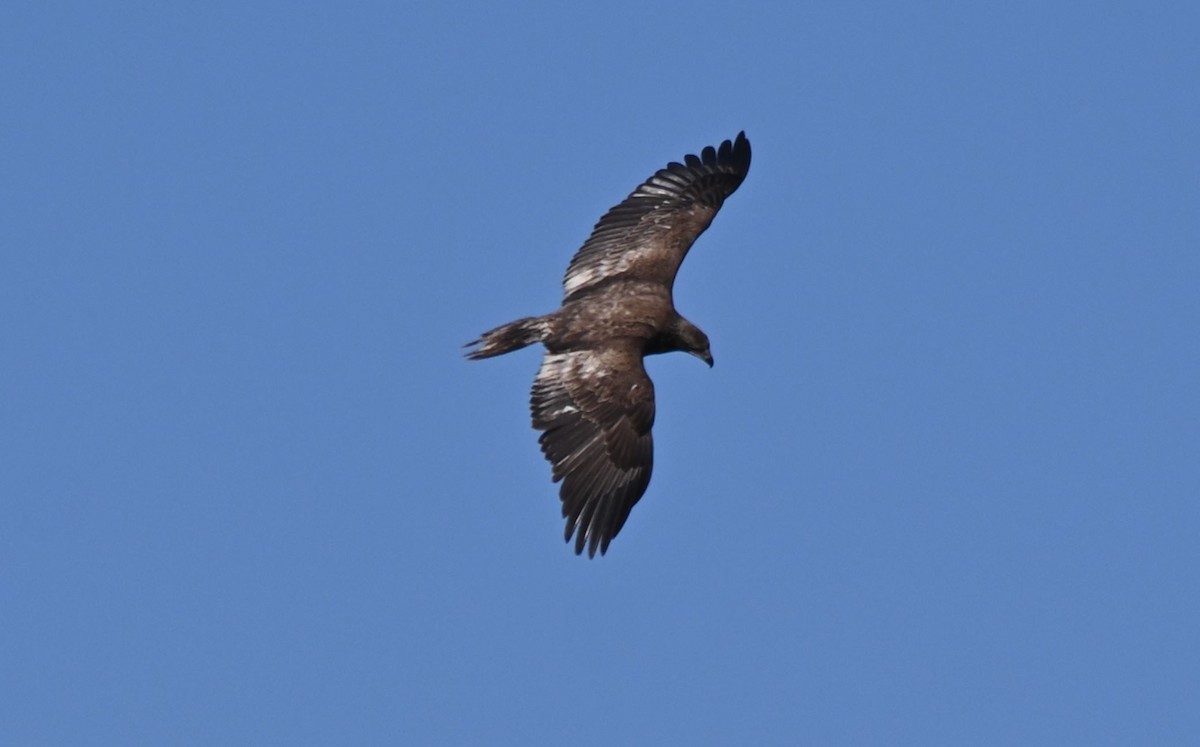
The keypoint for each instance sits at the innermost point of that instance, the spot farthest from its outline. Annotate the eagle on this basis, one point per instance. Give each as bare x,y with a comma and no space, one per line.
592,399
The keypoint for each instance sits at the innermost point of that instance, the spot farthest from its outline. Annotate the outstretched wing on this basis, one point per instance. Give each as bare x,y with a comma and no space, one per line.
647,236
596,408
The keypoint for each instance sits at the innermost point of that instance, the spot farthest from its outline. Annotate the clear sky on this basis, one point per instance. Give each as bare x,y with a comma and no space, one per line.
941,487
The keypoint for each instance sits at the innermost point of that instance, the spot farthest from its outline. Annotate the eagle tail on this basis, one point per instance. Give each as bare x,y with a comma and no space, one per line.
507,338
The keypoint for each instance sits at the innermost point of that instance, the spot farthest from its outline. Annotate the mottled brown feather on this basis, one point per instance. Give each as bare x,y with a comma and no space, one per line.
596,408
648,234
592,399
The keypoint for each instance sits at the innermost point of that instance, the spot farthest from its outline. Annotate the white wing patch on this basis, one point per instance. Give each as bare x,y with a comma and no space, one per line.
602,267
556,367
581,277
550,381
553,366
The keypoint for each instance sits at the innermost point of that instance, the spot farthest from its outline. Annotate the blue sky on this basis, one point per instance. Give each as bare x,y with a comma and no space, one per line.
941,487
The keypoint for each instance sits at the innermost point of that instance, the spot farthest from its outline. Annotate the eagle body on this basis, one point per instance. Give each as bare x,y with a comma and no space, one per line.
630,309
591,398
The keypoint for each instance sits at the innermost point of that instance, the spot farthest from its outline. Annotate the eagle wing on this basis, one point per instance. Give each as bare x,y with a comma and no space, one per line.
647,236
596,408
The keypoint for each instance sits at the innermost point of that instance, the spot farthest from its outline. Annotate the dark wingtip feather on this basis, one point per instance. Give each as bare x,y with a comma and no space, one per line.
733,154
739,151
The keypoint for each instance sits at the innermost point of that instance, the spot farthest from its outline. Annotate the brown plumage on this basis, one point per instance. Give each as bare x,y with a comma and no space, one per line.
592,399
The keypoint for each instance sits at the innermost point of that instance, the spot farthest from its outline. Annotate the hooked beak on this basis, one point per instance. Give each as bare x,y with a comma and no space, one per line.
705,356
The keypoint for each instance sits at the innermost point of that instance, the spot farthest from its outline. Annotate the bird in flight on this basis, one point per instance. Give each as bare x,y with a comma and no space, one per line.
592,399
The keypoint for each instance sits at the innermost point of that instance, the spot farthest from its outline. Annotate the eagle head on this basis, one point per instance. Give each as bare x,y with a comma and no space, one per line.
691,339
